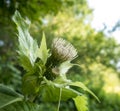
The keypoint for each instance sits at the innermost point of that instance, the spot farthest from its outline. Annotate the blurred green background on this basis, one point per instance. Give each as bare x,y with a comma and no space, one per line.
98,54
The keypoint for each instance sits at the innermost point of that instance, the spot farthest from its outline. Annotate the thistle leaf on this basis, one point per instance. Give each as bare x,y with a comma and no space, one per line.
64,67
42,51
81,85
30,85
22,106
27,46
81,103
51,93
8,96
25,63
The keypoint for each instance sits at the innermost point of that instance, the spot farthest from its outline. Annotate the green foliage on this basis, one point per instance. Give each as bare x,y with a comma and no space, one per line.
22,106
98,54
33,7
81,103
37,82
42,51
64,67
8,96
51,93
81,85
27,46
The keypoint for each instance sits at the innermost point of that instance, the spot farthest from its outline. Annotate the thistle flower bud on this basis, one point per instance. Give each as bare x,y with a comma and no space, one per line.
62,50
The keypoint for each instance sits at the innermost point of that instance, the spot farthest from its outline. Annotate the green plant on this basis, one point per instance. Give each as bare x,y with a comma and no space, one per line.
45,78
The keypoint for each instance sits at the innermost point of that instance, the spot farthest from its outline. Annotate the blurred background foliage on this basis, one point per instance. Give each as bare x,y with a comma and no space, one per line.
98,54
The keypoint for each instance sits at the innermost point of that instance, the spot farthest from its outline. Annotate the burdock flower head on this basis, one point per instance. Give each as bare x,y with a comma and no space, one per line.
62,51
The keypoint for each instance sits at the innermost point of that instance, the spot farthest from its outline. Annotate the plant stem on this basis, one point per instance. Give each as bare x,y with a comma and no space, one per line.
59,99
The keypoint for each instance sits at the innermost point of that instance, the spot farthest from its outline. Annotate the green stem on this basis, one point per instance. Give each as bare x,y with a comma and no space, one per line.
59,99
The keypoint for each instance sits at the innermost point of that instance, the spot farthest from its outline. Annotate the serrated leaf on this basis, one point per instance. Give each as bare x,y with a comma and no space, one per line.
81,103
81,85
25,63
8,96
27,46
42,51
22,106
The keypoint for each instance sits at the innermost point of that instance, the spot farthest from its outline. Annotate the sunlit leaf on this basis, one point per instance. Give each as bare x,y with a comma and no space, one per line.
81,103
42,51
27,46
25,63
64,67
61,79
81,85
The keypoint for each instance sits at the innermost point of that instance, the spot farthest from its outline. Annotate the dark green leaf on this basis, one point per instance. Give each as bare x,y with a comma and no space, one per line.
8,96
51,93
30,84
22,106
